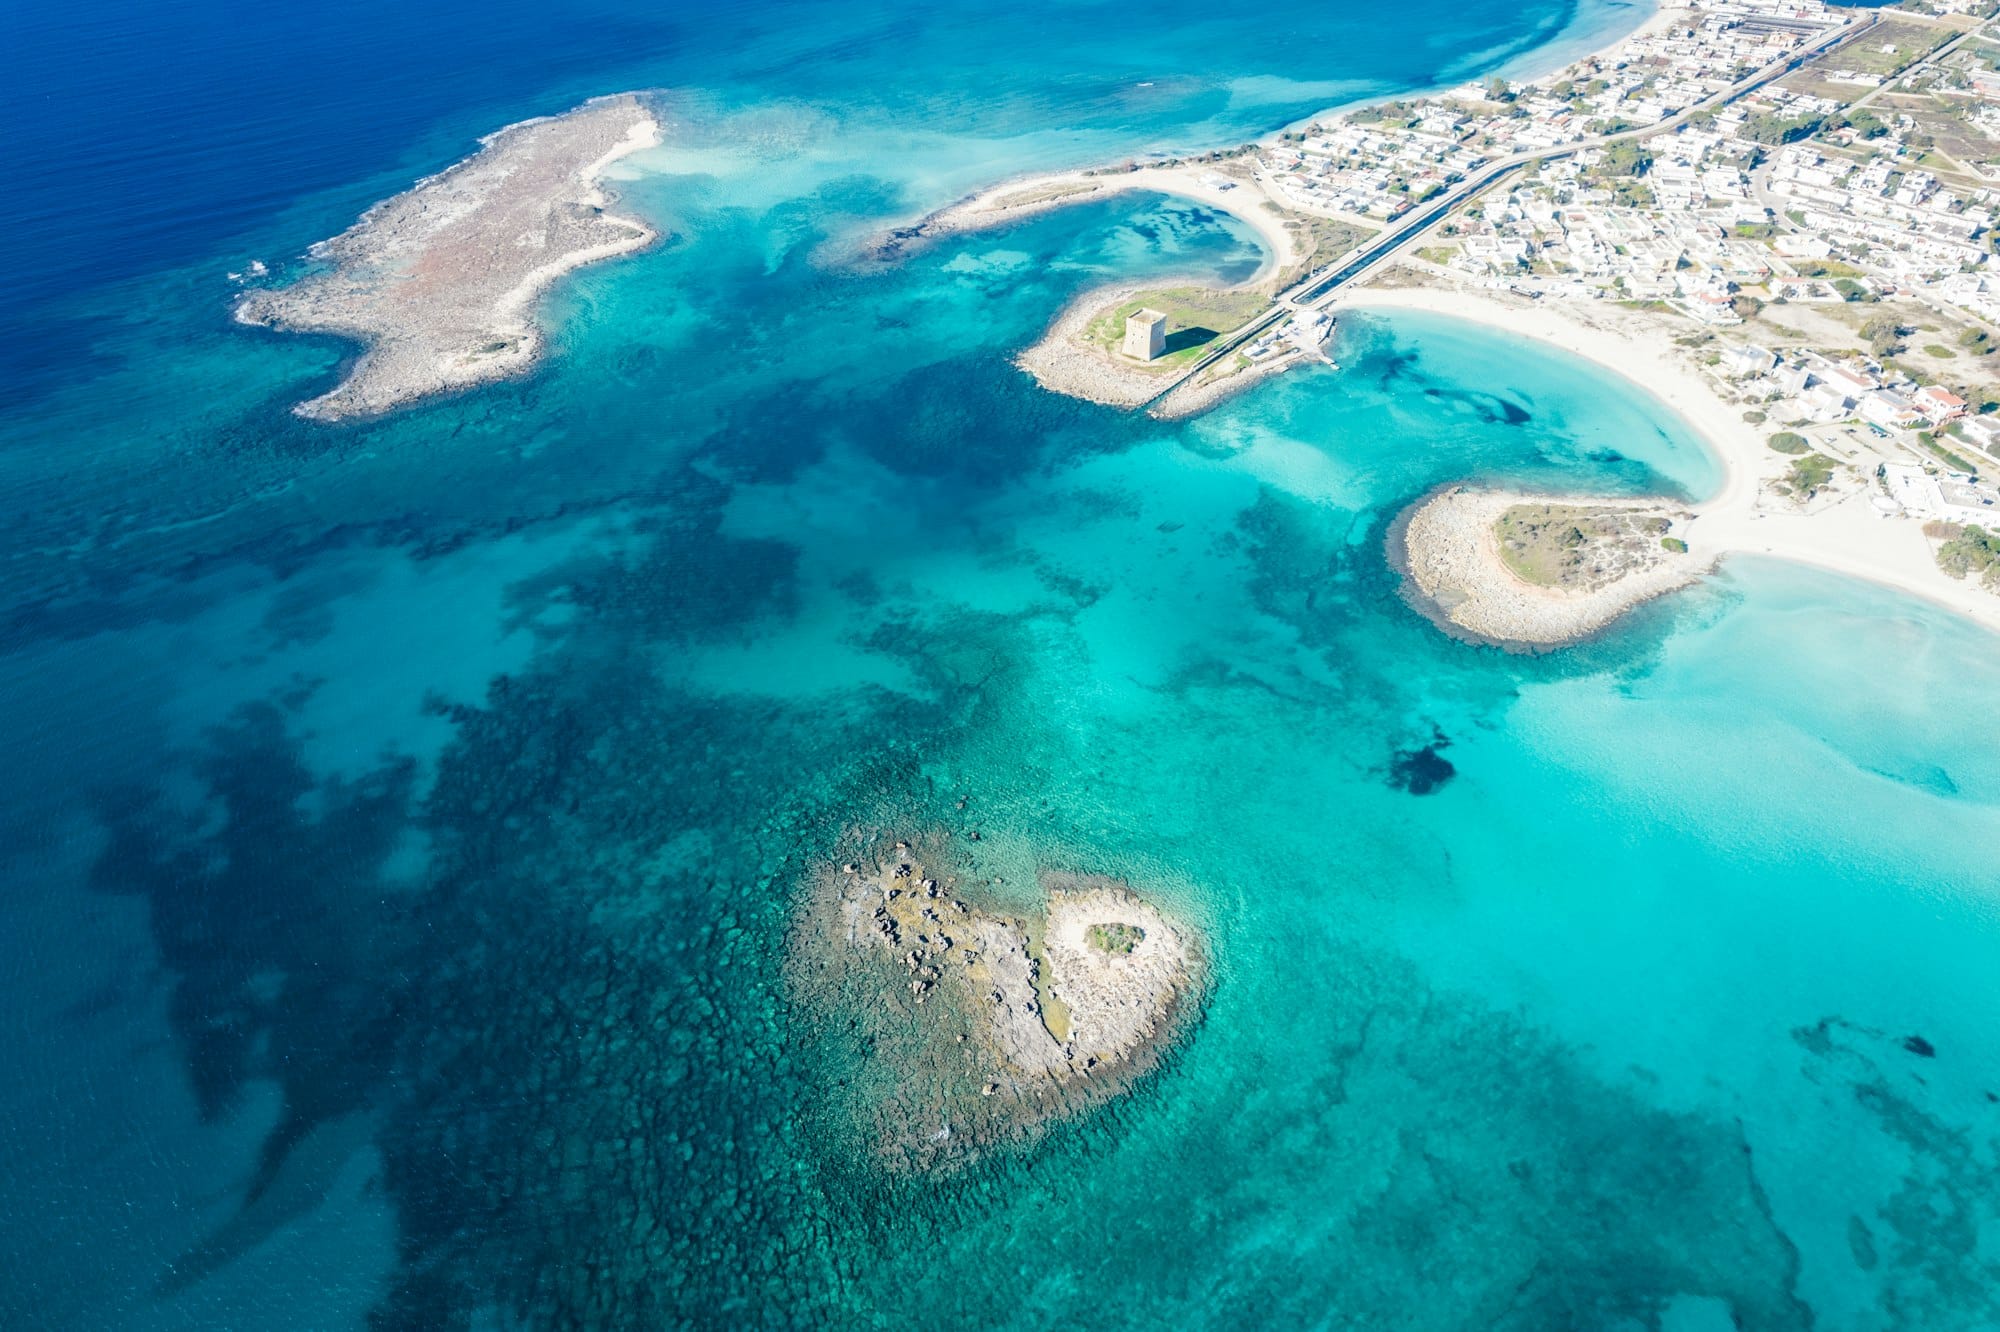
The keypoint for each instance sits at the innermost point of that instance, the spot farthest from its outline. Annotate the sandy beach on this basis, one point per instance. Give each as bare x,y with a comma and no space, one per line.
1011,201
1249,199
1849,537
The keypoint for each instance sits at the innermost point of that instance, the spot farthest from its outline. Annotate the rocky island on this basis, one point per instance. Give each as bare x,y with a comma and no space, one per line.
438,283
955,1026
1535,571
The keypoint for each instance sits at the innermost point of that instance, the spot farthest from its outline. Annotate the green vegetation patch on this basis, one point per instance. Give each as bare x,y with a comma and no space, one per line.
1967,551
1673,545
1825,268
1930,441
1196,317
1910,41
1625,158
1787,442
1882,334
1114,937
1022,198
1319,239
1809,475
1771,129
1575,546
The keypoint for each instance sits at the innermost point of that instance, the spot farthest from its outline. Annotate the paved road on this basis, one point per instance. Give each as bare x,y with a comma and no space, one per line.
1318,287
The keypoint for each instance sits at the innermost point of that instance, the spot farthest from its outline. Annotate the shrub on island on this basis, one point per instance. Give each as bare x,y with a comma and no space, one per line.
1810,475
1114,937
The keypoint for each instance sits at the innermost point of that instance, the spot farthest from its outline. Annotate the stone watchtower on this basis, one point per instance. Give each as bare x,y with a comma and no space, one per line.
1145,335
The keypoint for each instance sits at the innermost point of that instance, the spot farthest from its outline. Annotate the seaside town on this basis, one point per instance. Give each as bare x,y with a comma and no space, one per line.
1780,212
1826,238
1787,205
695,707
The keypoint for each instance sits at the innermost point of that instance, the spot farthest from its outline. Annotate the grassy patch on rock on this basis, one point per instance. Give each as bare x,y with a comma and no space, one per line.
1196,317
1114,937
1576,547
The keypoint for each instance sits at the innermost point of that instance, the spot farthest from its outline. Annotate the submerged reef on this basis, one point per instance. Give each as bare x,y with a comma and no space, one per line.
440,281
960,1027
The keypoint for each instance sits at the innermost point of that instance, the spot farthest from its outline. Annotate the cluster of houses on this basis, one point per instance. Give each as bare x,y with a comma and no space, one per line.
1808,388
1715,209
1929,492
1563,225
1691,216
1367,172
1899,220
1375,166
1976,293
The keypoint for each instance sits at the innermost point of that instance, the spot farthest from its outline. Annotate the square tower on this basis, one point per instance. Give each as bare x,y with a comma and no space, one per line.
1145,335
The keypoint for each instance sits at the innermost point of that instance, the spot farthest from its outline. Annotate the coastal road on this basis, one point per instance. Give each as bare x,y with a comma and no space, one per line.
1318,287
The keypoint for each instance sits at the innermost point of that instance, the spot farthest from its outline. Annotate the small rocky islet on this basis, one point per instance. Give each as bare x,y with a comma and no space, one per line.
439,283
951,1026
1532,572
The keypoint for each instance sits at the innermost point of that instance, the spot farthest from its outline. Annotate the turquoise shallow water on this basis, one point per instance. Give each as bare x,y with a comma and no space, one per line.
402,820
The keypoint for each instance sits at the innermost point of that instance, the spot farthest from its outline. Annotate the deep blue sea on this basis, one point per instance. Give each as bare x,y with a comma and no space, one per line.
400,821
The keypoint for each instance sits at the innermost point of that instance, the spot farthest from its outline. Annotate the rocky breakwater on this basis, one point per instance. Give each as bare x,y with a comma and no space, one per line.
439,282
1536,571
948,1027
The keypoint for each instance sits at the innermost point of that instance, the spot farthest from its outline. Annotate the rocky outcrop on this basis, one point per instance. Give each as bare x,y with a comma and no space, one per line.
439,282
1547,582
951,1027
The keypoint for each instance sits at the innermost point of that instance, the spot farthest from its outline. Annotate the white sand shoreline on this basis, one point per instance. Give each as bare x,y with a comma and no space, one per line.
1849,538
1249,204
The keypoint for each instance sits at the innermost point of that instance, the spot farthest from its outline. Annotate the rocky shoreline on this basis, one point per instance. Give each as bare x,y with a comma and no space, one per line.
1061,363
1193,396
1449,551
959,1027
438,282
980,211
